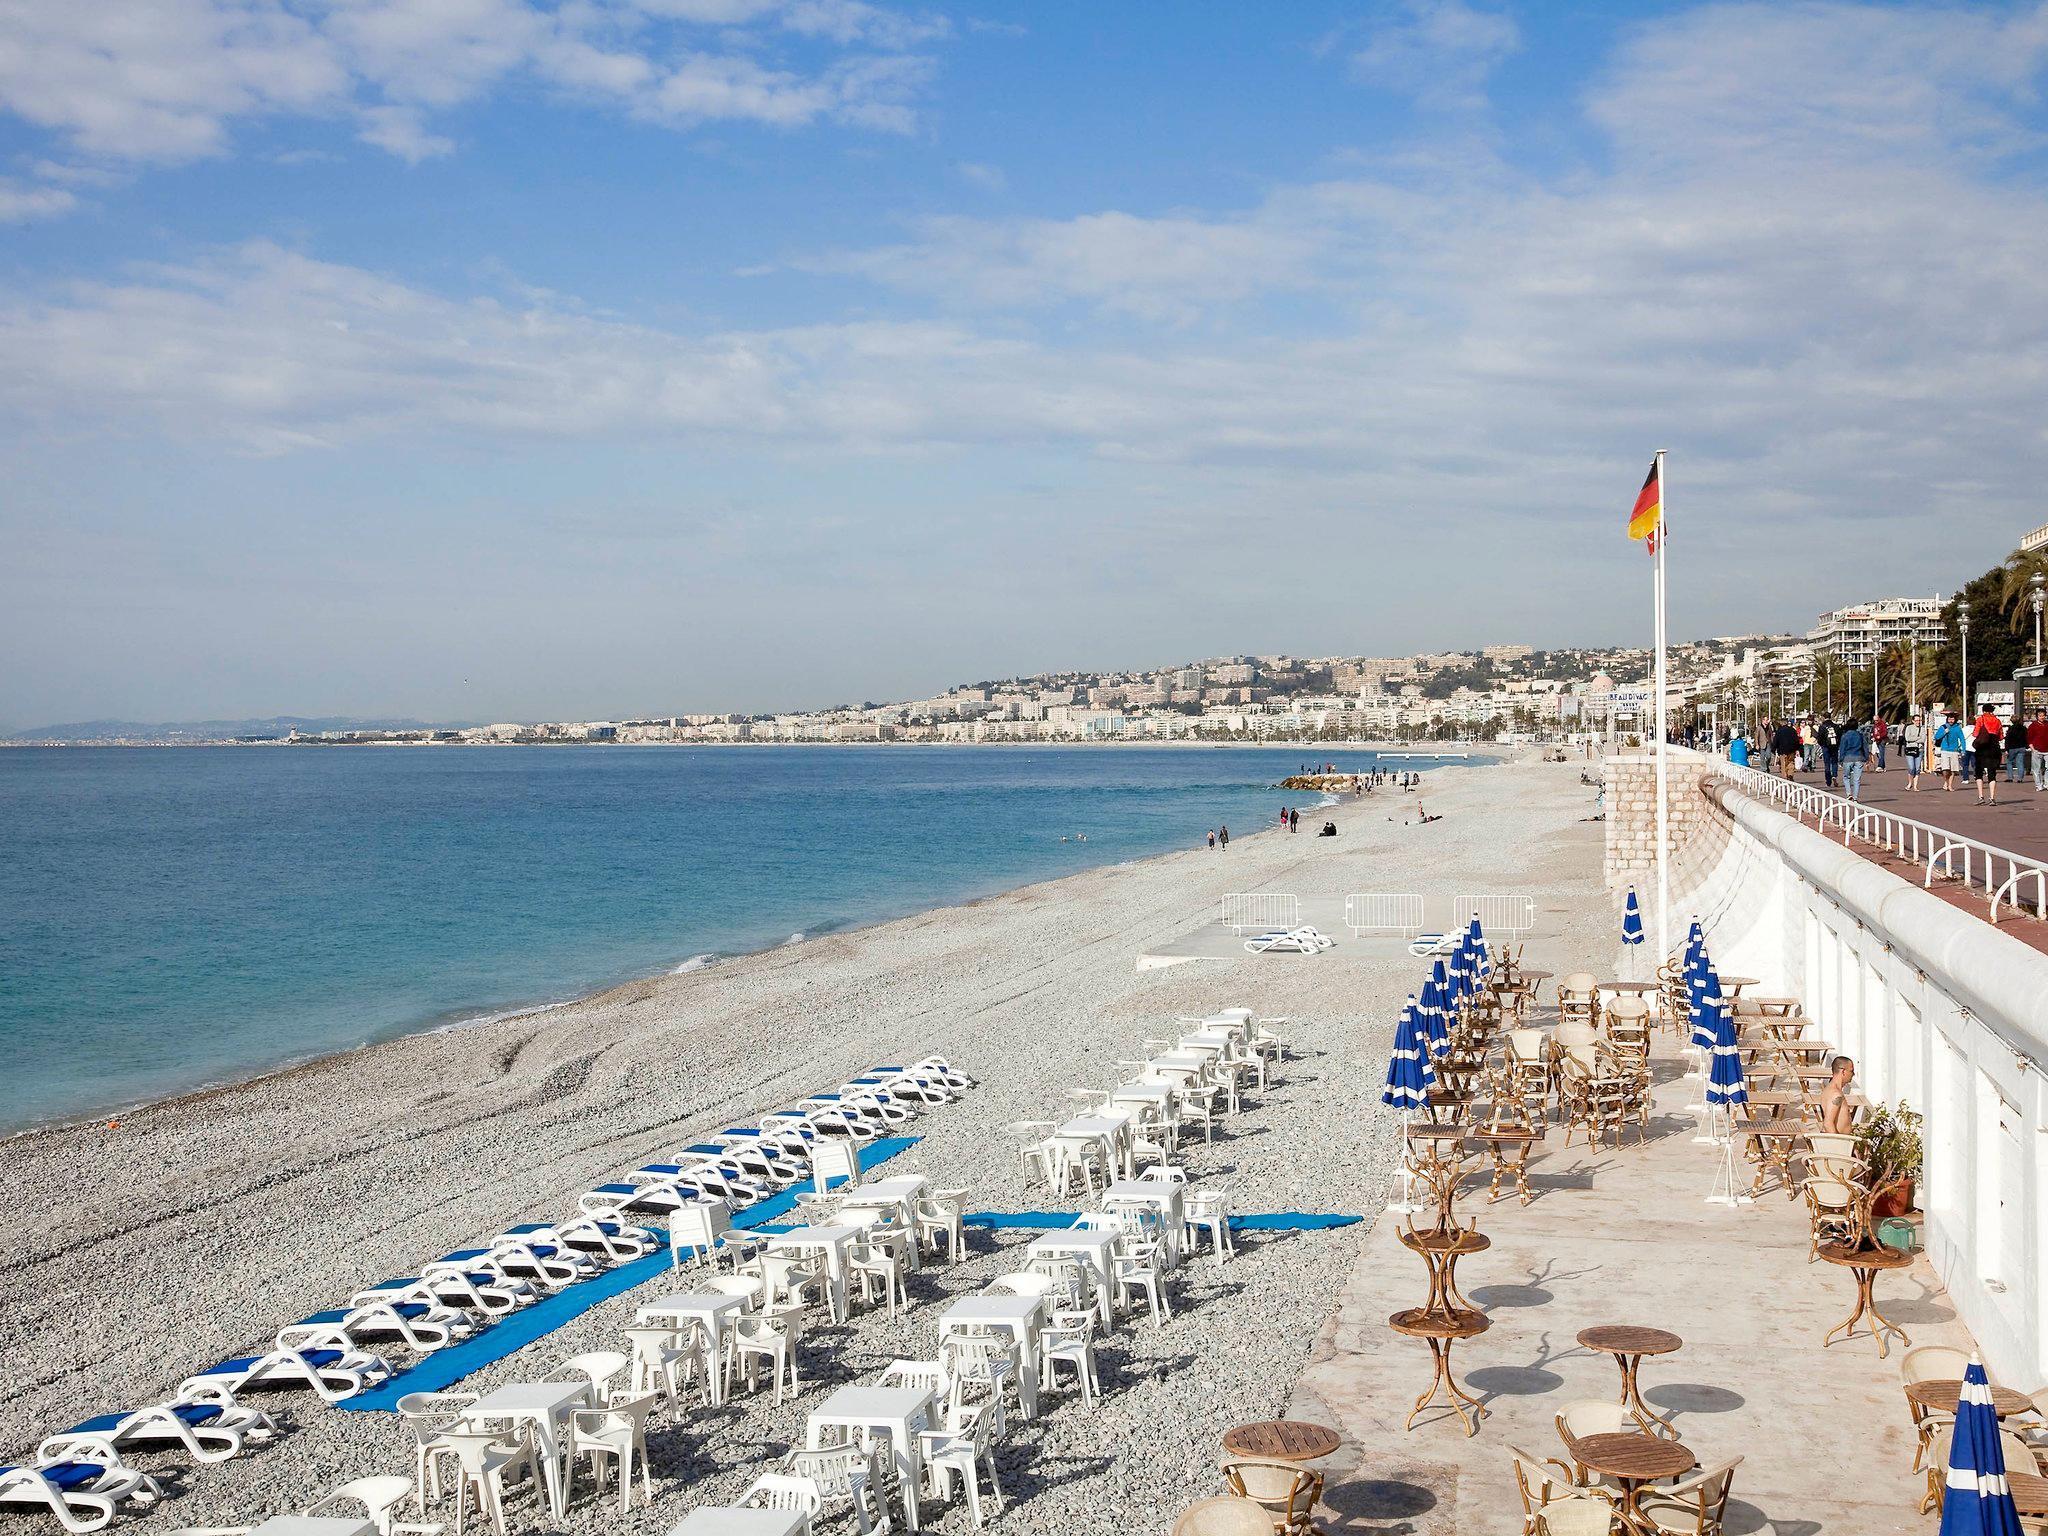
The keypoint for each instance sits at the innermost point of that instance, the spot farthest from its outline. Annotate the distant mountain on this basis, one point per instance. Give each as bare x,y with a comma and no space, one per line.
87,731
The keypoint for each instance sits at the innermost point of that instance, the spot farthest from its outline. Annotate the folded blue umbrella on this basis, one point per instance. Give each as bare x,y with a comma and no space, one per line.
1977,1500
1632,921
1409,1073
1724,1068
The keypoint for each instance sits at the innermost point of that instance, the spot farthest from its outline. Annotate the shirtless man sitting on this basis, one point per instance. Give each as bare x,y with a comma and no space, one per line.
1837,1115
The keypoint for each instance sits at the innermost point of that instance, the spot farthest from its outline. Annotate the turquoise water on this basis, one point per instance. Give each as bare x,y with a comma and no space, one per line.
171,918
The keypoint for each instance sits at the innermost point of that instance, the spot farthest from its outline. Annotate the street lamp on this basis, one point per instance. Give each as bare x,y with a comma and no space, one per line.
2037,585
1963,628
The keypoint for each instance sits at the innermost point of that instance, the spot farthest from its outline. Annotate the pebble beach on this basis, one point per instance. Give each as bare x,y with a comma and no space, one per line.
192,1232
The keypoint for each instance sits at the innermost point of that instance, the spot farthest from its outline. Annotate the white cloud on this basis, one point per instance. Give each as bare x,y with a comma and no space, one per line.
167,81
989,178
1440,52
20,203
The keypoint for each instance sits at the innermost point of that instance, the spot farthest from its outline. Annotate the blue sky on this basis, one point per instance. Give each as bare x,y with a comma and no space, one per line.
510,359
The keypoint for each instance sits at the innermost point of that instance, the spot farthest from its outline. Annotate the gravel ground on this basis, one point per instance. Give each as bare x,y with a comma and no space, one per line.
208,1221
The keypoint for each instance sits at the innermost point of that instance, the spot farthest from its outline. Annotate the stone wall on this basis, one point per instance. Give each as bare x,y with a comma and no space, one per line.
1698,826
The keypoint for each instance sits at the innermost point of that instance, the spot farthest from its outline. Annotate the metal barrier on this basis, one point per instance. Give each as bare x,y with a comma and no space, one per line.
1497,914
1260,909
1383,912
1996,872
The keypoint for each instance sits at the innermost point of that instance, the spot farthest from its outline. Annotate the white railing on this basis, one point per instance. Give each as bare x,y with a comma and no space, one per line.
1497,914
1260,909
1980,866
1383,912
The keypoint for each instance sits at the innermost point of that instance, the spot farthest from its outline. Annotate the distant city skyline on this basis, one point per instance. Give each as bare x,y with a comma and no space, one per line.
501,360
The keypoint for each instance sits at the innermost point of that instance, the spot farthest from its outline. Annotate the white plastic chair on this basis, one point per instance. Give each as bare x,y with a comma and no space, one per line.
380,1498
661,1358
1136,1268
845,1472
878,1260
487,1461
694,1232
1208,1210
428,1415
781,1490
772,1336
942,1214
618,1433
600,1368
982,1359
963,1450
1070,1337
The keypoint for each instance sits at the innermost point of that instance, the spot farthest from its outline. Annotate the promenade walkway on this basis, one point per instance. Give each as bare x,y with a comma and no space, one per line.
1626,1237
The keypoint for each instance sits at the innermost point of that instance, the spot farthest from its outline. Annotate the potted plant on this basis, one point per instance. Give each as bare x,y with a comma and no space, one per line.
1888,1141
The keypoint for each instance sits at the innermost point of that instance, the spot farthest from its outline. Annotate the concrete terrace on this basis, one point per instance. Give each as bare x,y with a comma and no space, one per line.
1626,1237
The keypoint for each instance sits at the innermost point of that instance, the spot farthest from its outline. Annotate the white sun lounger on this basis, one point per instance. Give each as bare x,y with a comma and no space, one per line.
85,1492
614,1241
333,1373
1425,944
1288,941
421,1325
210,1431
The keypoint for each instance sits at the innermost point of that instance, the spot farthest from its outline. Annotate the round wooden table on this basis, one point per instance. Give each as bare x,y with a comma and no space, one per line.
1733,985
1637,987
1866,1264
1442,1330
1631,1460
1441,1250
1940,1394
1281,1439
2029,1493
1629,1344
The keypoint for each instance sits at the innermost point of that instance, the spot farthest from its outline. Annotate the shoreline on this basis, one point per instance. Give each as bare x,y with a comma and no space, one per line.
207,1222
113,1110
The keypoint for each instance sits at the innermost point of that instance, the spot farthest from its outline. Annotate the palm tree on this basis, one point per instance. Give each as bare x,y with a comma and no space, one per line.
2015,581
1898,674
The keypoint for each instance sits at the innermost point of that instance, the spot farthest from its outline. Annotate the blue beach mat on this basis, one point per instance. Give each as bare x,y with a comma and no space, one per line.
444,1367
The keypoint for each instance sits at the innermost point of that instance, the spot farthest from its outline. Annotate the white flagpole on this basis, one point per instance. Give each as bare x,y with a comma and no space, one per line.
1663,772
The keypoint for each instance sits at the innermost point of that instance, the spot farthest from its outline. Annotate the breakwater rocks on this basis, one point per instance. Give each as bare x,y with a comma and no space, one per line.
1324,783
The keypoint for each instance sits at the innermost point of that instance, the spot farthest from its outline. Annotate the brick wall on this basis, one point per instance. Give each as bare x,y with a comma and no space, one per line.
1699,828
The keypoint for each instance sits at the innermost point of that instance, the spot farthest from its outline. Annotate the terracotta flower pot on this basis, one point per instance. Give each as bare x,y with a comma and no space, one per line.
1894,1199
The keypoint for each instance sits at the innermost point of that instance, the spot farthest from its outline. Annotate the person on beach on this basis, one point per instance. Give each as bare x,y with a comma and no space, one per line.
1212,839
1294,819
1223,838
2037,750
1850,750
2016,749
1948,751
1912,736
1989,744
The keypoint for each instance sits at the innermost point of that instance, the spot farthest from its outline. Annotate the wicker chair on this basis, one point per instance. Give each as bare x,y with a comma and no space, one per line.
1286,1490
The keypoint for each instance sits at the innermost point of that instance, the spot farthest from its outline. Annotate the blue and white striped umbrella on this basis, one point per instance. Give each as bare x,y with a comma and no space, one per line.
1482,954
1977,1501
1459,977
1724,1069
1706,1011
1632,921
1409,1074
1436,1028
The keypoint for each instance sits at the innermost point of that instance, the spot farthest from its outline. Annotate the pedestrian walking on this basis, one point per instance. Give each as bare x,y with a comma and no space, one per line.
1880,733
1738,748
1212,839
1830,735
1989,745
1809,744
1294,819
1913,736
1950,745
1785,748
1851,748
2037,749
1223,838
2015,749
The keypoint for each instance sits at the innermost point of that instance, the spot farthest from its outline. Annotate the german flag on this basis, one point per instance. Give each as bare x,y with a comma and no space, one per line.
1648,515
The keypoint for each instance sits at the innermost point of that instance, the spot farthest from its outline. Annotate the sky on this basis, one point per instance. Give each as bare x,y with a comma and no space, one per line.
527,359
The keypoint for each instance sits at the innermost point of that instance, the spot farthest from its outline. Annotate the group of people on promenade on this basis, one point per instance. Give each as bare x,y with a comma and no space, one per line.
1842,750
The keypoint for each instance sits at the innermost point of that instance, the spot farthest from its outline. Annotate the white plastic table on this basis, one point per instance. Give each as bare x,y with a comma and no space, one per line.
898,1412
314,1525
713,1311
1110,1132
1164,1198
1092,1246
1018,1316
546,1405
713,1520
895,1196
831,1241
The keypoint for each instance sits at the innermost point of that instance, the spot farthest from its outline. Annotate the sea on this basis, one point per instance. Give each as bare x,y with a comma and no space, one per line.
172,918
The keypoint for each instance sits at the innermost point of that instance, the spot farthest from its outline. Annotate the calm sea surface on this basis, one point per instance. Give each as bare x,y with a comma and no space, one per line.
171,918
